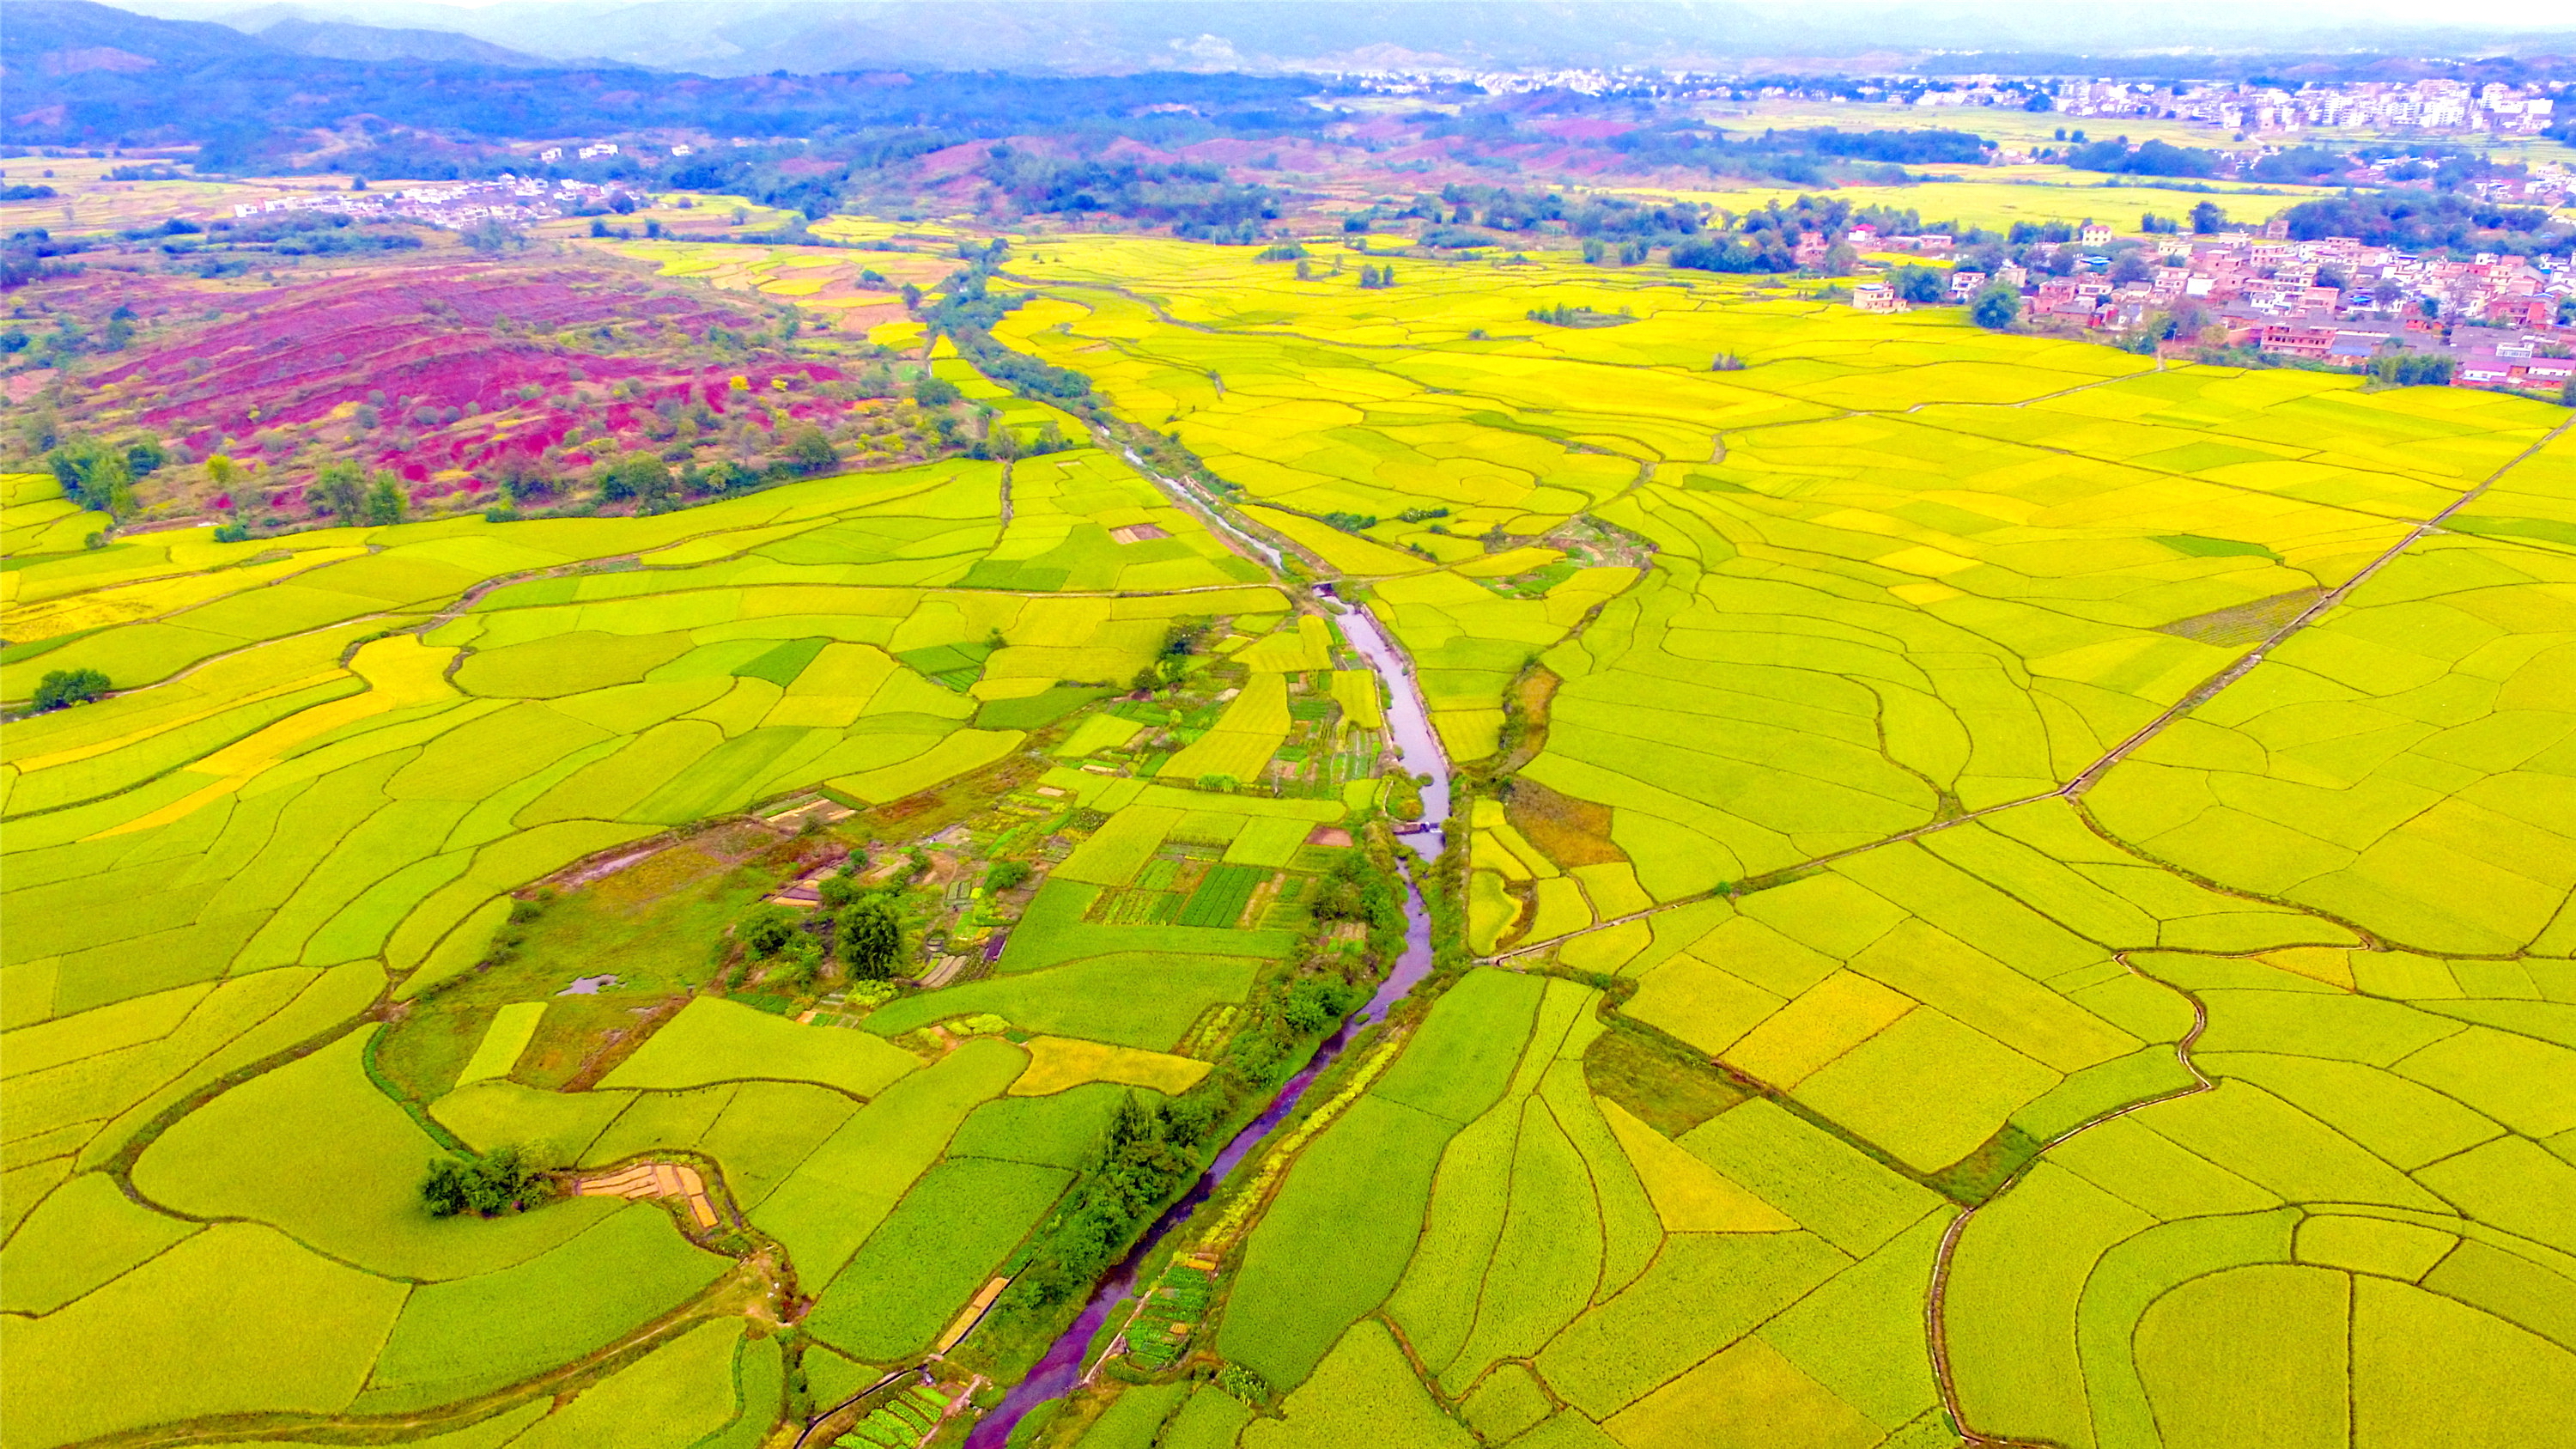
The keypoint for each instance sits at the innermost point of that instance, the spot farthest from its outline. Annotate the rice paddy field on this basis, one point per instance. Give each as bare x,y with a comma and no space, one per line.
1947,742
1999,891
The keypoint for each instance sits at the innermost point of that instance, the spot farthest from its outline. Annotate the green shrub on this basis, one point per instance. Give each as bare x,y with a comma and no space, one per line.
766,930
1241,1383
486,1184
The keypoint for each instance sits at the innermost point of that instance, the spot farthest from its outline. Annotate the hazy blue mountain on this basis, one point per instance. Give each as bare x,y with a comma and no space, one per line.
734,37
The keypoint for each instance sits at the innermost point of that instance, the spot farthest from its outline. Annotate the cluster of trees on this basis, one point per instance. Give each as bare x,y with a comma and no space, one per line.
2206,218
1767,240
1499,207
2304,165
63,688
1355,889
1145,1158
1729,253
1023,374
648,480
1376,277
352,495
1562,315
1199,196
2149,158
1450,236
1930,146
804,452
2447,165
101,476
965,303
1182,639
1627,253
2420,220
1612,216
866,928
486,1184
1802,157
2408,369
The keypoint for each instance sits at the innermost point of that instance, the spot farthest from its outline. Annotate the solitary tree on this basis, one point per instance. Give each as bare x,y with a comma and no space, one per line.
1919,285
385,501
871,935
1995,307
521,478
343,490
2207,219
809,450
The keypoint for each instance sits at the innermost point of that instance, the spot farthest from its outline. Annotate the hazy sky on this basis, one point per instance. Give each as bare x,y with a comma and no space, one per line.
2291,14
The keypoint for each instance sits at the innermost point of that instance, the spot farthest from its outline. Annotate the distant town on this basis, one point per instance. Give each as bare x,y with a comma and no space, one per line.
2446,107
2498,321
509,199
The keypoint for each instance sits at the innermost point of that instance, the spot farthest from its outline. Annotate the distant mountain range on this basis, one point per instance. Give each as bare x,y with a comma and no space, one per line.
343,40
57,38
740,37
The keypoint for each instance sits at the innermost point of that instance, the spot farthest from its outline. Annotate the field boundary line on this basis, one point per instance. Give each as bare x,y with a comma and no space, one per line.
2323,603
1936,1296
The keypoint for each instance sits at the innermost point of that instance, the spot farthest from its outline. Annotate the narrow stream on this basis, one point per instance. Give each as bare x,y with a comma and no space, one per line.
1409,726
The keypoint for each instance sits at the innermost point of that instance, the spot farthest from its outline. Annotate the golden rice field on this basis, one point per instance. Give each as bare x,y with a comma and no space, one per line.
1874,764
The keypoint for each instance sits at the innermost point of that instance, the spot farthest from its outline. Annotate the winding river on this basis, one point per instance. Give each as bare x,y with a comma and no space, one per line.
1408,727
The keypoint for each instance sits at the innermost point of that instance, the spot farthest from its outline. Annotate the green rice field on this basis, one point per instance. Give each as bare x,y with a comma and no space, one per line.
1996,888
